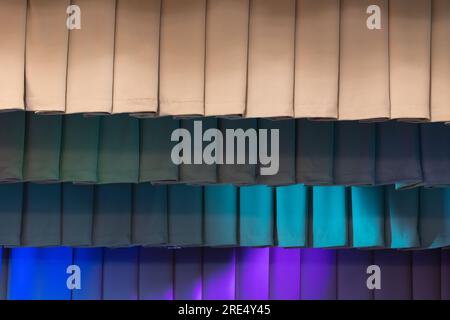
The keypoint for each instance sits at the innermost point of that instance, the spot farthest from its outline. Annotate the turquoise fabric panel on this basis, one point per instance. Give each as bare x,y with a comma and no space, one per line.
329,225
368,216
402,219
256,216
434,221
221,215
292,215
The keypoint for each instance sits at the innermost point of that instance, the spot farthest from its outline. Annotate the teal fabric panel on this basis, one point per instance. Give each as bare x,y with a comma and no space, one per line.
256,216
286,151
149,223
90,261
239,174
120,274
198,173
221,215
315,149
79,153
11,196
41,224
156,146
329,225
77,214
12,140
402,220
368,216
118,160
155,274
185,215
42,147
434,221
292,207
112,216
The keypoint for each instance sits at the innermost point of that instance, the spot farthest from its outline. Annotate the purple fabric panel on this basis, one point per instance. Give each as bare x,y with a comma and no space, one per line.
188,274
426,273
284,274
219,273
352,274
318,274
445,274
396,275
252,277
155,274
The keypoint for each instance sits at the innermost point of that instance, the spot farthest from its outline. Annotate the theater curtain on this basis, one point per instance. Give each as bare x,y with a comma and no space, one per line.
252,216
252,58
208,274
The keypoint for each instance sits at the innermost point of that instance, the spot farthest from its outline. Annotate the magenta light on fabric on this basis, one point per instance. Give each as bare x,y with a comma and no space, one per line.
219,274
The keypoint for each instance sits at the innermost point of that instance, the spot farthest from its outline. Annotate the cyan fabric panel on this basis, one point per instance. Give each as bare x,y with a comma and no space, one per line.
256,216
351,270
77,212
318,275
90,261
426,275
354,153
118,160
188,274
79,152
221,215
398,153
41,219
252,277
219,274
329,224
155,274
315,145
42,148
367,216
284,269
435,149
235,173
149,221
198,171
155,163
120,273
11,197
12,140
292,212
434,220
112,217
185,215
285,151
396,274
402,219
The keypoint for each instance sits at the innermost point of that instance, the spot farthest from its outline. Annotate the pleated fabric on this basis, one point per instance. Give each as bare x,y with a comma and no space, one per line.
120,215
119,149
223,273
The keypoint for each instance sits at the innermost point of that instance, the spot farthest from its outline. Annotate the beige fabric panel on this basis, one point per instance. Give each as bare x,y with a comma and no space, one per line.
12,53
317,59
46,56
136,57
226,57
182,57
440,61
91,58
364,61
271,59
409,50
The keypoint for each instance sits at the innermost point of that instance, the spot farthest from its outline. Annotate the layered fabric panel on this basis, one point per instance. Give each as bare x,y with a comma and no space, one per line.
120,215
222,273
325,59
122,149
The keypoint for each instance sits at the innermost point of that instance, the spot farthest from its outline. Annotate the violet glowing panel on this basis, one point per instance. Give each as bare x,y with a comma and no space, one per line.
219,273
